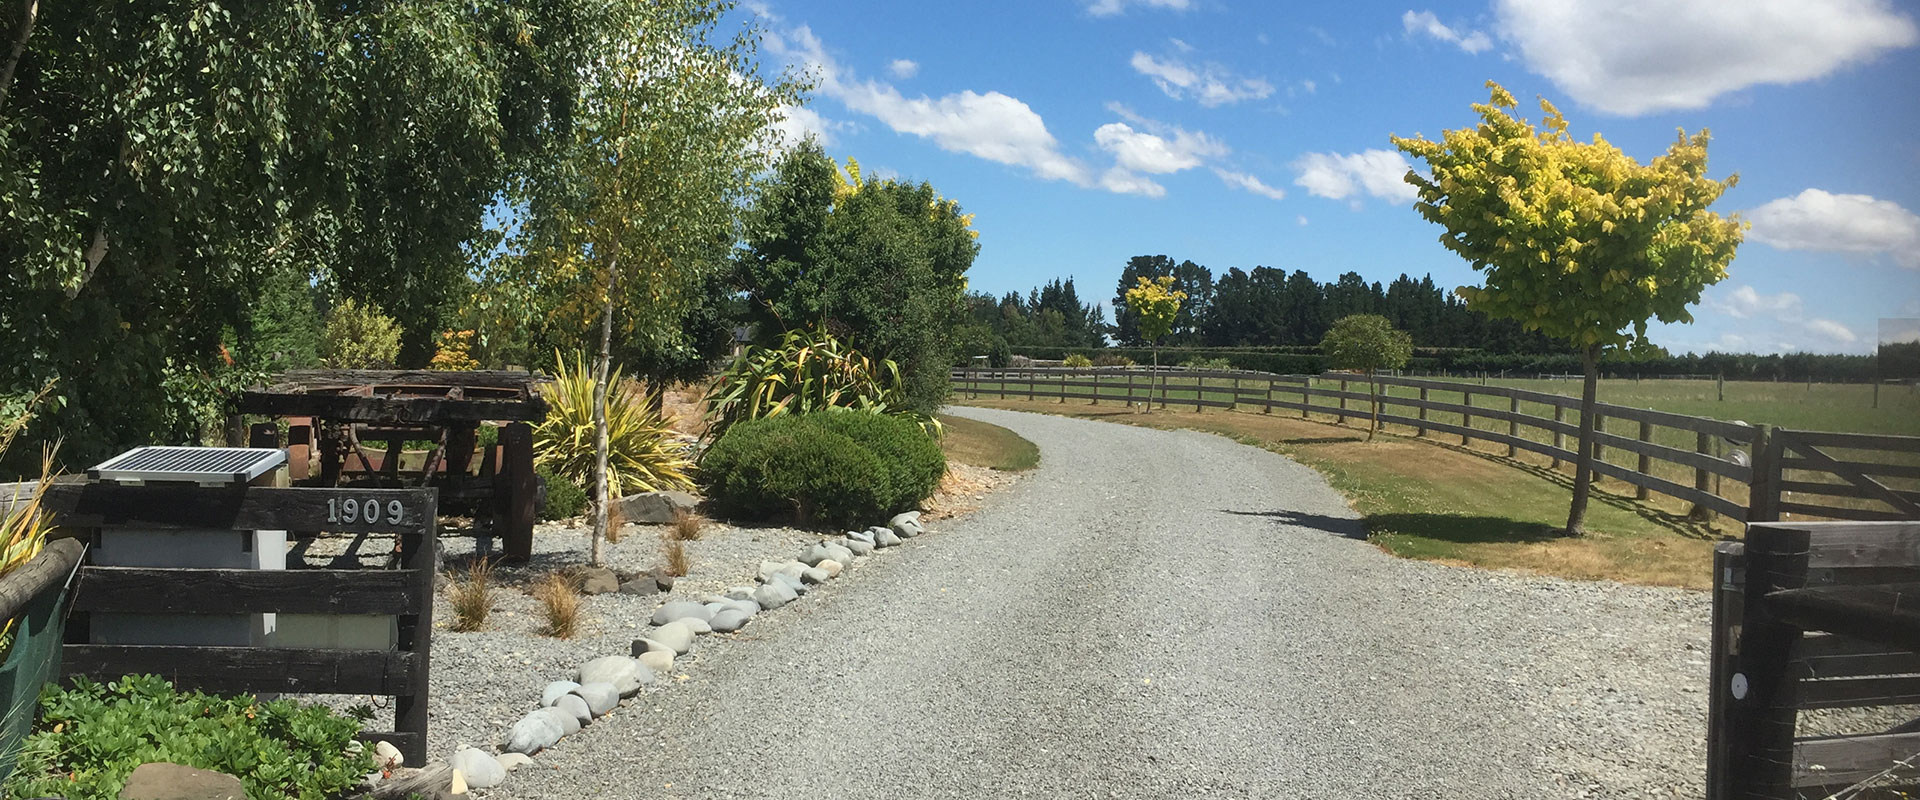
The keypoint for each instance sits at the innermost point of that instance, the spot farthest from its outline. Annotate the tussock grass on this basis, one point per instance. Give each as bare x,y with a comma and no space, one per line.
686,526
471,596
559,598
675,552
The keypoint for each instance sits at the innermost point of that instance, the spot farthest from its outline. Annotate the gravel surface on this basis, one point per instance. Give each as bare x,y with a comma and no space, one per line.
1149,614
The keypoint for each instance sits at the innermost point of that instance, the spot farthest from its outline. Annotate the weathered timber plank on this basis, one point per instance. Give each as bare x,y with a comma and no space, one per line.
240,507
246,591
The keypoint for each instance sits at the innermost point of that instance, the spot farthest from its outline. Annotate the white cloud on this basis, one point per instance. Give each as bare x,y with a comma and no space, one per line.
903,68
1845,223
1743,302
1181,45
1209,84
1108,8
1302,220
1638,56
1140,151
1379,173
799,122
1241,180
1120,181
1832,331
1424,22
992,125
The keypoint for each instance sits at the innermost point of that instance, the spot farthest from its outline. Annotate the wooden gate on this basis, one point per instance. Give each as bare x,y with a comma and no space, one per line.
405,592
1808,617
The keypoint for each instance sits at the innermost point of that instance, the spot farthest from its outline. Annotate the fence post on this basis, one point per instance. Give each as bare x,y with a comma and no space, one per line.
1599,427
1235,404
1513,426
1703,445
1199,392
1559,433
1063,387
1001,381
1645,464
1343,402
1032,379
1129,386
1268,408
1422,430
1466,418
1305,401
1761,739
1729,583
1097,375
1763,491
1720,387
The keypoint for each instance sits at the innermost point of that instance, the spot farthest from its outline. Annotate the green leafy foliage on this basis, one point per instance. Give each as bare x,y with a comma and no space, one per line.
91,737
642,455
359,336
161,162
809,370
881,260
1366,342
284,326
1207,363
911,461
564,498
786,464
1077,360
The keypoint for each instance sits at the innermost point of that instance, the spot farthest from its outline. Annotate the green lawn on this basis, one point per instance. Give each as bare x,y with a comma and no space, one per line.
1455,505
982,444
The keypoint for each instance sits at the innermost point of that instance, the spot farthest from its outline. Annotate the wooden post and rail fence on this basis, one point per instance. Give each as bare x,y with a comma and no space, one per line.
1746,472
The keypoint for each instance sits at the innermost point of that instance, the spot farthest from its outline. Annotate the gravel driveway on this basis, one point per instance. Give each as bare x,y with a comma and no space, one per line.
1161,614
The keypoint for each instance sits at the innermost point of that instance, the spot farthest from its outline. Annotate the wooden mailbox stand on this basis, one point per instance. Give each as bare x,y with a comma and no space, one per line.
405,592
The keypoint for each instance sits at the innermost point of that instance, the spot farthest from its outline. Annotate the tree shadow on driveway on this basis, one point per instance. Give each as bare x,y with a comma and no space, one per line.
1338,526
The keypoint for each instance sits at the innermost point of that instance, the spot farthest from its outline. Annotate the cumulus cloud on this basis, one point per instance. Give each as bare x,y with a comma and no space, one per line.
1844,223
1108,8
1832,331
1743,302
989,125
1246,182
1634,57
1379,173
1209,84
1425,23
1121,181
1140,151
798,122
903,68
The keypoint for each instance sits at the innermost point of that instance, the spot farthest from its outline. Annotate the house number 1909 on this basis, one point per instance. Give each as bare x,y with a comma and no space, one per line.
351,511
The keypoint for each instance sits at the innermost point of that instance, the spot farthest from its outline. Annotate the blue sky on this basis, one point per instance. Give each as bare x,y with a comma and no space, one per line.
1241,134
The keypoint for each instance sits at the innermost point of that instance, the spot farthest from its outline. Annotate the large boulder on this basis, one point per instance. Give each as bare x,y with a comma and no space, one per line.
163,781
681,609
625,674
654,508
479,767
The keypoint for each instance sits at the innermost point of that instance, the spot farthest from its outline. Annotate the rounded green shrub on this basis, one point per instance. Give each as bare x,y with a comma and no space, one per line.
563,497
788,464
912,460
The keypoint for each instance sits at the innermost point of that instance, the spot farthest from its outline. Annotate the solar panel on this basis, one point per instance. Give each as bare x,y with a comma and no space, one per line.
189,464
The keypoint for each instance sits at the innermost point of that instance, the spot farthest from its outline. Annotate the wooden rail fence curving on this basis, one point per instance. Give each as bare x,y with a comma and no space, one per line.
1747,472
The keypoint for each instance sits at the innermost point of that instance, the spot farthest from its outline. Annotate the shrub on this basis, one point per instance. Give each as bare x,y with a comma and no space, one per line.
911,460
564,497
809,371
359,337
642,455
454,352
1206,363
1077,361
90,738
1112,360
786,464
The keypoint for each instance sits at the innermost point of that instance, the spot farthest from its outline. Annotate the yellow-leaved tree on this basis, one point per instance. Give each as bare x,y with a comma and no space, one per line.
1158,303
642,206
1576,240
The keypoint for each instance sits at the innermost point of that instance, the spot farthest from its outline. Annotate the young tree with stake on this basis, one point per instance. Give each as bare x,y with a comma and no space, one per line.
1369,342
1157,303
1577,239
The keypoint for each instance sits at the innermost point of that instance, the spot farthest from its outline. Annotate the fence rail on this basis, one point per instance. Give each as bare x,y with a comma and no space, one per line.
1748,472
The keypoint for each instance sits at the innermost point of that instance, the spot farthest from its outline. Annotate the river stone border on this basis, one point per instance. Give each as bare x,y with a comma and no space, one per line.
598,686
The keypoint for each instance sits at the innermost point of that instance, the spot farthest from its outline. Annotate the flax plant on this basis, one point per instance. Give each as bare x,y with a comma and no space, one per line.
810,370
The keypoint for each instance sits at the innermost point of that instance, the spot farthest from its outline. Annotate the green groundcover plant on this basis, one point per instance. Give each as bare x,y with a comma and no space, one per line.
91,736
